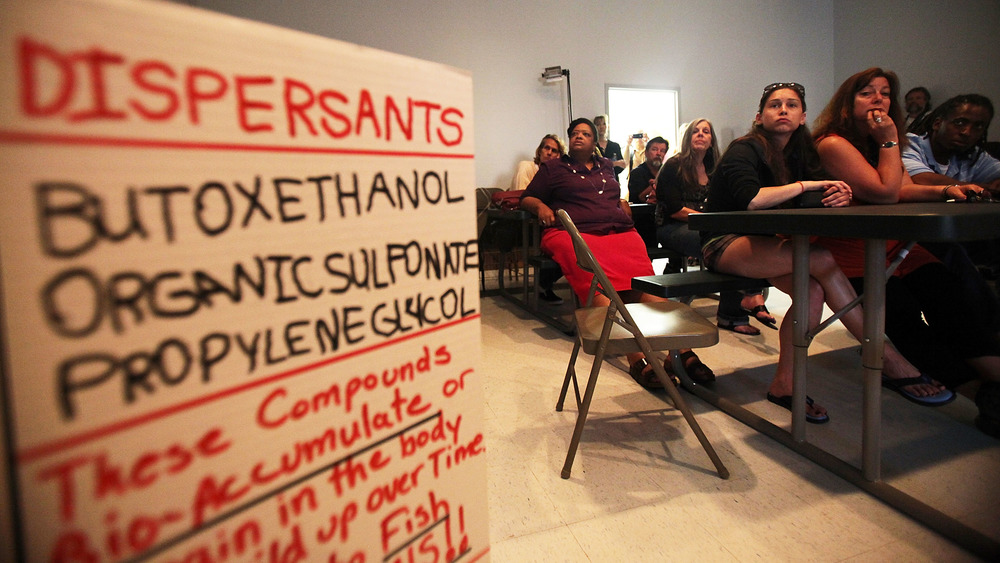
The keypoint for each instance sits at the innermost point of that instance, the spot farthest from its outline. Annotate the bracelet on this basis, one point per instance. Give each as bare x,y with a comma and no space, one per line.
944,191
889,144
803,187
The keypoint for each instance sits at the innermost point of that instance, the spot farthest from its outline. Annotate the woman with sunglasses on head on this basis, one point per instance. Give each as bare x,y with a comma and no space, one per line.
771,166
930,317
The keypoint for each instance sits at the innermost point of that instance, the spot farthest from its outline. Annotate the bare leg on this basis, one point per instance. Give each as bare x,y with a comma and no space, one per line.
771,257
781,385
839,293
988,367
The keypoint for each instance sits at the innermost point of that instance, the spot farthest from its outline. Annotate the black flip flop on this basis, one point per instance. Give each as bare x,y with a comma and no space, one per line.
758,310
647,379
786,402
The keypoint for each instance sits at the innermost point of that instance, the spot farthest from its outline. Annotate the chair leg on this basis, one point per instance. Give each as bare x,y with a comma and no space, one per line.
581,416
501,267
570,374
682,406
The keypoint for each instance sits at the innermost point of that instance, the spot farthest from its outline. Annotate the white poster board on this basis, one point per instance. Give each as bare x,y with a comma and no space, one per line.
240,317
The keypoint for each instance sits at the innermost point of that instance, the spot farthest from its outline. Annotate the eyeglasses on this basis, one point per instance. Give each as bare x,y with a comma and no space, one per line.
799,89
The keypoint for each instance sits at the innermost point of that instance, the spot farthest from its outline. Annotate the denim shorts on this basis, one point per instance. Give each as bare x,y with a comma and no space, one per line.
713,249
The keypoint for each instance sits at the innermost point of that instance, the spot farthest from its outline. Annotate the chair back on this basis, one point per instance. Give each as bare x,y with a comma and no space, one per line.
585,259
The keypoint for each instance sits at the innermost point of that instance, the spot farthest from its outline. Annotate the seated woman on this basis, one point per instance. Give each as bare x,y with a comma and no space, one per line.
928,315
585,186
770,166
681,188
550,147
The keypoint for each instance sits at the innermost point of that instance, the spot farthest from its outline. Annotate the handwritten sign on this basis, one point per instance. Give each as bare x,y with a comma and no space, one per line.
240,312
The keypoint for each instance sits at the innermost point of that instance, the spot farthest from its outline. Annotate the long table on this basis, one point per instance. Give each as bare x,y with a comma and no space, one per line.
876,224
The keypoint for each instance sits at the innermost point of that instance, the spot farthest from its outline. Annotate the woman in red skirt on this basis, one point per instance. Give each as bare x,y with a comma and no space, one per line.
584,185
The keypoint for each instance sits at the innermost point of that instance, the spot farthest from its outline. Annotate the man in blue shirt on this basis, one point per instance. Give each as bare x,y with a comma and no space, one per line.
949,149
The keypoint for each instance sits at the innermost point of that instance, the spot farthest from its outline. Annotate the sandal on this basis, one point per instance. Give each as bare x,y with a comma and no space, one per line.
733,325
936,400
786,402
697,370
648,379
759,310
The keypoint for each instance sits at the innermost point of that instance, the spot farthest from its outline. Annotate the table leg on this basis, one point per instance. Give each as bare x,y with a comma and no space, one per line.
800,328
871,358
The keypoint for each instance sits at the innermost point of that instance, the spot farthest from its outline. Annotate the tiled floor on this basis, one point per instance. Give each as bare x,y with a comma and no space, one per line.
642,489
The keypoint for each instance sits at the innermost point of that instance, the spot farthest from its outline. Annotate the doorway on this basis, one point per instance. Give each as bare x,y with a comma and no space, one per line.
633,110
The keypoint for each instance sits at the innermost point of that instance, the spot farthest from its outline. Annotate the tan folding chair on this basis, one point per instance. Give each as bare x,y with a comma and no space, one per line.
623,329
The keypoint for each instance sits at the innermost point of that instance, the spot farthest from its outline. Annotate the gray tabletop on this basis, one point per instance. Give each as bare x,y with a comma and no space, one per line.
906,221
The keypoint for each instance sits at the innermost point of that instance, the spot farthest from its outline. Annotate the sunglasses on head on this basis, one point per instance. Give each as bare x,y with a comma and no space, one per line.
800,89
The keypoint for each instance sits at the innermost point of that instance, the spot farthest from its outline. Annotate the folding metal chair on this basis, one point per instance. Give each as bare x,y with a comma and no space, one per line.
623,329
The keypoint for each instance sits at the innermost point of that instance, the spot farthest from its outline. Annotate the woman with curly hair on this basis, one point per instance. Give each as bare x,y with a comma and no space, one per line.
928,315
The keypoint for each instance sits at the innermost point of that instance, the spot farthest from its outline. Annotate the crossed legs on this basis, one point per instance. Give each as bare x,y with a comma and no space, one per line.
771,258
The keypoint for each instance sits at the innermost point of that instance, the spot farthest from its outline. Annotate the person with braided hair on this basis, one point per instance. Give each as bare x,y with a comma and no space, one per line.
949,148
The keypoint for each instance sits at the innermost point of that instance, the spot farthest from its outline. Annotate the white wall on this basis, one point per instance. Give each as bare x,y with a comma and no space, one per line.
718,53
950,48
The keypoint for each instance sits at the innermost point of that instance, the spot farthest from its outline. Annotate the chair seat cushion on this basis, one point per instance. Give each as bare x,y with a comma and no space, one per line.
667,325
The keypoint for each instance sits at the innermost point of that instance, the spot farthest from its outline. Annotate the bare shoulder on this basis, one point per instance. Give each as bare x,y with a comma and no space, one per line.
833,144
839,156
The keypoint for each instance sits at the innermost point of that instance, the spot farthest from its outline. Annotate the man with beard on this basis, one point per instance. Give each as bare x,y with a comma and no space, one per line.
642,178
918,106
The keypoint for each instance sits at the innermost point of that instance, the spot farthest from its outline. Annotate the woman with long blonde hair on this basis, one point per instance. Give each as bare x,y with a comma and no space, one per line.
681,189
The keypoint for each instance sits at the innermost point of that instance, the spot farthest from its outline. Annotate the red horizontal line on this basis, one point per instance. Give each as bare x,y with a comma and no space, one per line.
33,453
12,137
